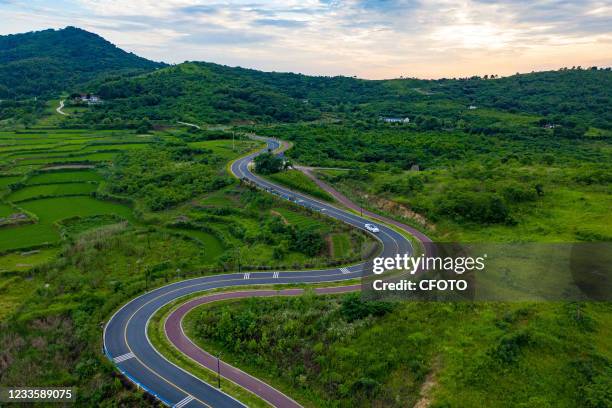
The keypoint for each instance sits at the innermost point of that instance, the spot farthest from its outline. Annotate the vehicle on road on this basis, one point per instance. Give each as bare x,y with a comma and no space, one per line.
372,228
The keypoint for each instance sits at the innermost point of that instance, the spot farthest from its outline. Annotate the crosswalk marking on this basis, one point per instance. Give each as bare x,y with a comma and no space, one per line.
344,270
123,357
246,275
275,276
184,402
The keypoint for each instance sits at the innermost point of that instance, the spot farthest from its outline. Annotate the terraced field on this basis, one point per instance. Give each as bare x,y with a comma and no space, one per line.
47,176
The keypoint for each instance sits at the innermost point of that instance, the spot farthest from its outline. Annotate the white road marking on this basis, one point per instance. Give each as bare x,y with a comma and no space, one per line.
183,402
275,276
344,271
247,275
123,357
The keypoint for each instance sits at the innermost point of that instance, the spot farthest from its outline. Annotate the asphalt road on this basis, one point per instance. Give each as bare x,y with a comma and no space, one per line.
125,335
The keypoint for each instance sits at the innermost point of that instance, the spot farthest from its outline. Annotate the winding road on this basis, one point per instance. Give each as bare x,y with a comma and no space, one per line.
126,342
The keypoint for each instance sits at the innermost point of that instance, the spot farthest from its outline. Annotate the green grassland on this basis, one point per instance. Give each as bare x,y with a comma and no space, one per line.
46,190
24,261
5,181
6,210
63,177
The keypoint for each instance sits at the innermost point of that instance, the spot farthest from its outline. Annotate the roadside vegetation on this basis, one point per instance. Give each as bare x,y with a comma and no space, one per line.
330,351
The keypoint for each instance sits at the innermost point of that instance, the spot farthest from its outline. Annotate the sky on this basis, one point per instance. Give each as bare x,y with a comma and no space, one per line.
372,39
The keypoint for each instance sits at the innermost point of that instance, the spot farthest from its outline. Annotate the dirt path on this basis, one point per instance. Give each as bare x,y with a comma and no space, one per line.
189,124
60,107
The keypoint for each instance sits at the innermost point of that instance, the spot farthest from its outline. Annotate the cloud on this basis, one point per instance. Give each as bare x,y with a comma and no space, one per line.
370,38
279,23
225,37
199,9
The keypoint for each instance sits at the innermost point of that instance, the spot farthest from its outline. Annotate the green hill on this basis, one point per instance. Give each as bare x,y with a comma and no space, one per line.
201,91
44,63
48,62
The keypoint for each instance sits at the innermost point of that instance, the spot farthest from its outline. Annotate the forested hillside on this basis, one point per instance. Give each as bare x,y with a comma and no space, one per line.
45,63
562,94
214,93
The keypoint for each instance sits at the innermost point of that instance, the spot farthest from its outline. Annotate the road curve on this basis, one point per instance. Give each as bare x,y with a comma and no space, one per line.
125,339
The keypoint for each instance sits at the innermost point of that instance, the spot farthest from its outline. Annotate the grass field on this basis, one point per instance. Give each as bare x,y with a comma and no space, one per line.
213,247
51,210
298,219
225,149
23,261
6,180
6,210
341,244
46,190
296,180
64,177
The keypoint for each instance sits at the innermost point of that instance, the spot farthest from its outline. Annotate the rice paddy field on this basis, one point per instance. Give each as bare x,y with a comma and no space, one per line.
48,175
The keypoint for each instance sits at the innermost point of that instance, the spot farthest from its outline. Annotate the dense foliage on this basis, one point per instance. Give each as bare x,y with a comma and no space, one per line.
344,352
219,94
561,97
166,176
48,62
461,179
268,163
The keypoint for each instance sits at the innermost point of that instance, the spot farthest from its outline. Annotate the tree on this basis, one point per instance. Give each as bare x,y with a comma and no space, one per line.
267,163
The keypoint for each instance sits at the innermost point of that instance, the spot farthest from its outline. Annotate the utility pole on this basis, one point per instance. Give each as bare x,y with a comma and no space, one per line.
138,261
146,271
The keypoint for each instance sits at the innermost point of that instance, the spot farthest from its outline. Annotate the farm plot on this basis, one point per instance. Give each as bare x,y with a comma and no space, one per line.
48,190
51,210
63,177
85,158
298,219
6,210
6,180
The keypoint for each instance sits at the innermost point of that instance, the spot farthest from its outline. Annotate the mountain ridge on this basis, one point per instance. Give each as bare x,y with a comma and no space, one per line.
47,62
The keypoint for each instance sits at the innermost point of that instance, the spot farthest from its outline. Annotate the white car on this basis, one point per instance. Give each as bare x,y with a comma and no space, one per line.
372,228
